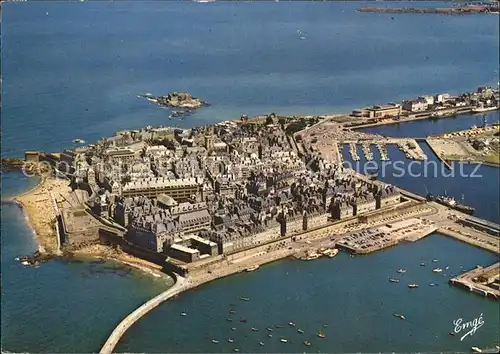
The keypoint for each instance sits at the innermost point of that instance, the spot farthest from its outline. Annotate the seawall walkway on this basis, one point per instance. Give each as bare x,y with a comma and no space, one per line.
180,285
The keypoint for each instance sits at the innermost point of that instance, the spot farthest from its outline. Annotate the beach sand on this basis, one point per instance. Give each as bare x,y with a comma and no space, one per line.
39,211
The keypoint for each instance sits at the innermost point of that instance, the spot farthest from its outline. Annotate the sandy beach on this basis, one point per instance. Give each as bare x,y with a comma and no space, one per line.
39,211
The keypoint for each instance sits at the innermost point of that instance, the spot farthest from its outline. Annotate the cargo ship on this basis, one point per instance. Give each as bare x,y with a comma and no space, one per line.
451,203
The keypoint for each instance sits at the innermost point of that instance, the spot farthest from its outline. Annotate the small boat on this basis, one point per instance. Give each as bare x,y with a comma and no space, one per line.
413,286
183,314
251,269
232,311
230,340
243,320
236,350
399,316
233,328
229,319
278,326
392,280
422,264
447,268
433,284
321,335
283,340
269,329
452,333
476,350
244,298
325,325
17,258
255,329
311,257
262,344
291,324
307,343
435,260
437,270
333,253
25,263
270,335
79,141
401,271
300,331
215,341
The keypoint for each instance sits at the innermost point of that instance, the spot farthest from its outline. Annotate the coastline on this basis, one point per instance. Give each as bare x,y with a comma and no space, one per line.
34,200
39,214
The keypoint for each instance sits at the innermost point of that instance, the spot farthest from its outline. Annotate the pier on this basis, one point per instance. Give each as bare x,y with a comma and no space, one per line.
354,152
382,148
367,152
482,281
180,285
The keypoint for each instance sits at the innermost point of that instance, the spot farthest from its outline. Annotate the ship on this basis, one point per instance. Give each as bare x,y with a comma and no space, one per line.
443,114
484,109
450,202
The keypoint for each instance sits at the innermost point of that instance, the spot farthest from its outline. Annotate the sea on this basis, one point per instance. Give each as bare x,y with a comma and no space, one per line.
74,70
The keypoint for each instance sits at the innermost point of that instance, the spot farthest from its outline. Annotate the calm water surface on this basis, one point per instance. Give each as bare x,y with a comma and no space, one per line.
73,70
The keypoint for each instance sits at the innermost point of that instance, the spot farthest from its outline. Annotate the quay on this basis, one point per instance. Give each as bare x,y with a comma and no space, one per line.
432,145
482,281
475,145
374,239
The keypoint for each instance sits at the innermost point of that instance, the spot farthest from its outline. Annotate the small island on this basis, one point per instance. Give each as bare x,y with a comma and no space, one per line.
177,100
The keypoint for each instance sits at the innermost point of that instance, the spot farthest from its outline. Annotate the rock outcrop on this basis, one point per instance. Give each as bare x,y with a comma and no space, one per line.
180,100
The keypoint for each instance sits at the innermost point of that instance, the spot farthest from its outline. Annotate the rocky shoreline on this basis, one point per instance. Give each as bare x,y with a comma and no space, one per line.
458,10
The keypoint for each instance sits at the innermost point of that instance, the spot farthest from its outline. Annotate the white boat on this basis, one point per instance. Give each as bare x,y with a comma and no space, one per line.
476,350
25,263
262,344
333,253
183,314
230,340
437,270
401,271
215,341
311,257
251,269
484,109
283,340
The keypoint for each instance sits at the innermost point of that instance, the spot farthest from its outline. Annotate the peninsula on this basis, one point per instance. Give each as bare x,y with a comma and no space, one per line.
207,202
